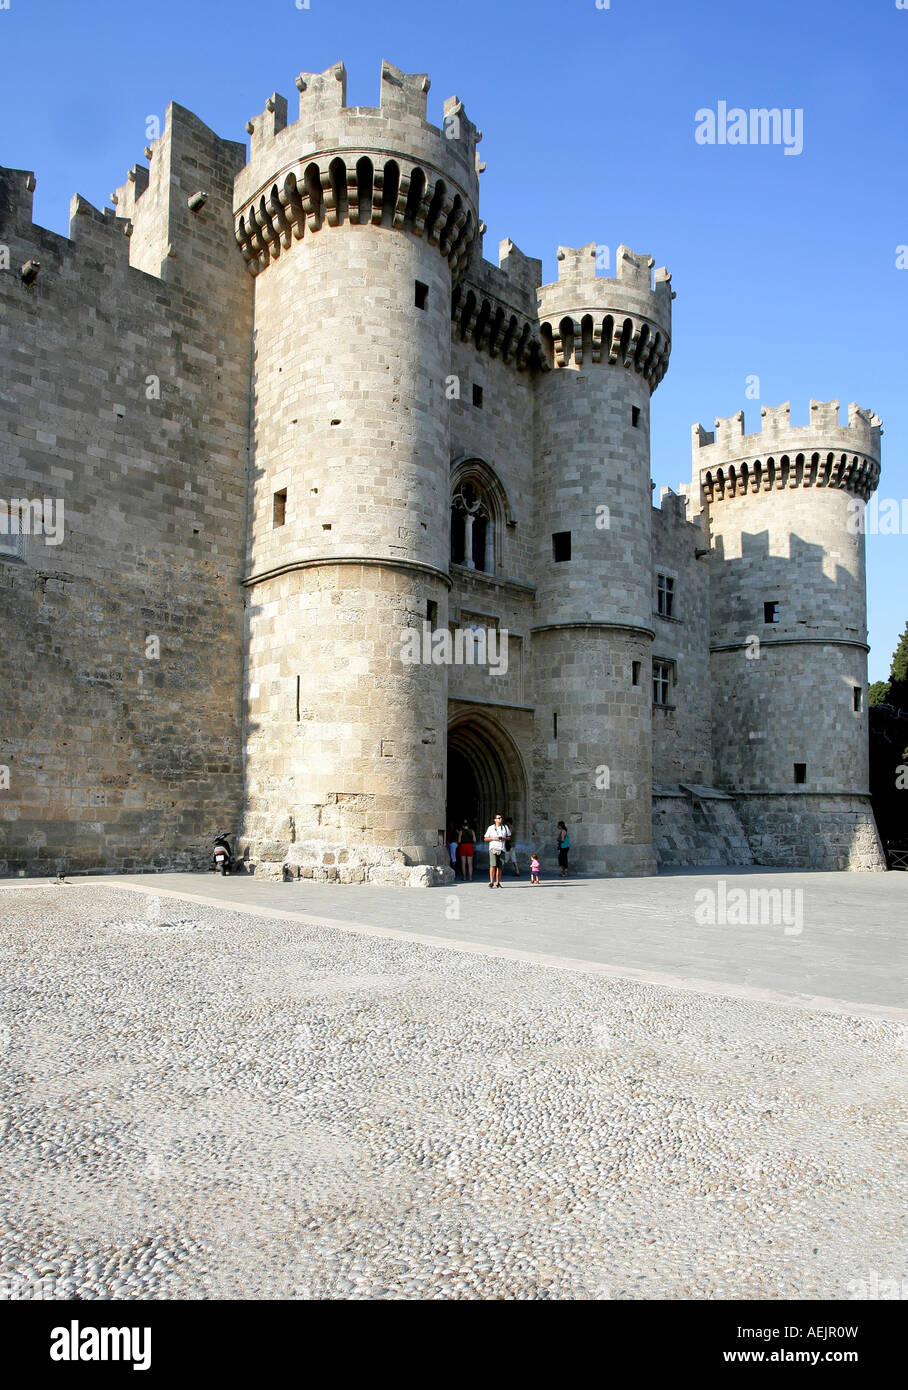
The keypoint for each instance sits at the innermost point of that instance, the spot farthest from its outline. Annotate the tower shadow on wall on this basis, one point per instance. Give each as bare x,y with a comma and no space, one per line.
783,713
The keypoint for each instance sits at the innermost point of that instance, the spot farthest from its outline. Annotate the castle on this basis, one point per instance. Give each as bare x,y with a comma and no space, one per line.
294,419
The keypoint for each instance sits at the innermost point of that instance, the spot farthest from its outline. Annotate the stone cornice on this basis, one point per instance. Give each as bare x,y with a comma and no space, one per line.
792,642
376,561
461,575
496,327
729,463
853,473
799,792
357,186
488,704
620,339
598,626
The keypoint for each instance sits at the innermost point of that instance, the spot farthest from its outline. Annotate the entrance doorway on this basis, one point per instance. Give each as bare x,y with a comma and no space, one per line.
485,775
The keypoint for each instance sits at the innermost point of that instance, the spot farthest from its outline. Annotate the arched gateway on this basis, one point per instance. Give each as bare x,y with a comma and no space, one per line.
485,774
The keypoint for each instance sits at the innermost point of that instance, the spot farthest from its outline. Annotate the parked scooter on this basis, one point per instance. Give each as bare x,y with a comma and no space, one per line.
223,855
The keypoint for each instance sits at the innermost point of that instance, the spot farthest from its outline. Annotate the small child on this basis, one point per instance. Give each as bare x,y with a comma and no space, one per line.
534,868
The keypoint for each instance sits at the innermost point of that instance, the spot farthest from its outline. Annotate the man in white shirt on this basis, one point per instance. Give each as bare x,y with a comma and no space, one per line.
495,837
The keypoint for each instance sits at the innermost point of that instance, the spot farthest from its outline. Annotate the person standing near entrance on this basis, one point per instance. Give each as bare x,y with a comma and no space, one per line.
466,840
452,846
564,844
496,835
510,848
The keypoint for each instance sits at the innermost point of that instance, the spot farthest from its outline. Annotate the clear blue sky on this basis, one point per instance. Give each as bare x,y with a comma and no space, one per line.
784,266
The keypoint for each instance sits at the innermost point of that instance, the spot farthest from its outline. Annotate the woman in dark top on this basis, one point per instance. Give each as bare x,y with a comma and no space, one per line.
564,844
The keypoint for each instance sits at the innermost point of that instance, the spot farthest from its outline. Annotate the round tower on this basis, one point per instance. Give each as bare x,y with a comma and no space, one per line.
355,223
788,632
608,344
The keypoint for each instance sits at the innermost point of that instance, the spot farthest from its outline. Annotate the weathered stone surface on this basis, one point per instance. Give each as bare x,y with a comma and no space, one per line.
425,876
688,831
127,404
269,870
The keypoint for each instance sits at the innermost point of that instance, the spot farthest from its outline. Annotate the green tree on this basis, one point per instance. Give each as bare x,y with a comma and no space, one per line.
898,673
888,754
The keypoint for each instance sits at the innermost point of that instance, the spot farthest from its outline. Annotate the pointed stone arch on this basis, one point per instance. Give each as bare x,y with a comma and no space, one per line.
485,772
471,469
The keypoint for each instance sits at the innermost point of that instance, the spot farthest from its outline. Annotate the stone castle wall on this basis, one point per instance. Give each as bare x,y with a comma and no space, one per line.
812,832
128,405
682,734
690,828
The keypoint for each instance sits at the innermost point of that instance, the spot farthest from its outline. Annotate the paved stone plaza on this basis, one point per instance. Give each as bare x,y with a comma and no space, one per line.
844,952
222,1099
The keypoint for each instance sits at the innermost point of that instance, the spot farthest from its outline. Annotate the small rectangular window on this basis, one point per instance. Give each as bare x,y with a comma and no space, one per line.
635,416
431,612
663,680
635,673
665,595
14,526
279,509
422,295
770,612
477,396
858,699
554,725
561,546
297,699
800,772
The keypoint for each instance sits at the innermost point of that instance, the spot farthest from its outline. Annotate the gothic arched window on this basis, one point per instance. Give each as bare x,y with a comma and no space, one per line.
471,528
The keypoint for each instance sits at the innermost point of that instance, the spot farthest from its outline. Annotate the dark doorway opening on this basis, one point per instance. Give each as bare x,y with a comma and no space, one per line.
464,801
485,775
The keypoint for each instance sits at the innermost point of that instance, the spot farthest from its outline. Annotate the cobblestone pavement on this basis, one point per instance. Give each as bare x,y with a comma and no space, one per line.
200,1102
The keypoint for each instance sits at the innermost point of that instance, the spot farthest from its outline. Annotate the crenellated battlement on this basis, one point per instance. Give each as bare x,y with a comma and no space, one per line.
126,197
188,159
386,166
99,234
521,273
624,319
728,463
103,230
17,196
493,307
